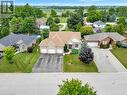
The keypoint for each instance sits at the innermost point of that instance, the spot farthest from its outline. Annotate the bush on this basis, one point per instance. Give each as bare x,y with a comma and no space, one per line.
57,20
65,48
104,46
74,51
54,27
118,44
75,87
30,49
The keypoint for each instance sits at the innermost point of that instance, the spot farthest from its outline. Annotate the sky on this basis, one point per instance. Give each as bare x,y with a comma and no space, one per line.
72,2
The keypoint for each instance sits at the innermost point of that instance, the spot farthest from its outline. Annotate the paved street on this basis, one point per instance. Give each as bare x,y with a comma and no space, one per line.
47,83
49,63
106,61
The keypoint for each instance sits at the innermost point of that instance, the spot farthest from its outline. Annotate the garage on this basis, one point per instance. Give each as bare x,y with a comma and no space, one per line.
52,51
59,50
92,44
43,50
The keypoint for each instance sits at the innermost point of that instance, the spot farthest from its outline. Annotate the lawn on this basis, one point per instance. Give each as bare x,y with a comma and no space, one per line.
121,55
73,64
23,62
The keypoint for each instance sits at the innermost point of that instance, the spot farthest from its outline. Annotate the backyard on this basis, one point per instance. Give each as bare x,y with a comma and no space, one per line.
23,62
73,64
121,55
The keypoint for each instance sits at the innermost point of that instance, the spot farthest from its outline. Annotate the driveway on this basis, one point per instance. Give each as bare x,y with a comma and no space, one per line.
49,63
106,61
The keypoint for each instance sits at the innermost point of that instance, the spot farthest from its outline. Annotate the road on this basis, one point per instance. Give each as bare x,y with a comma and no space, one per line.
47,83
106,61
49,63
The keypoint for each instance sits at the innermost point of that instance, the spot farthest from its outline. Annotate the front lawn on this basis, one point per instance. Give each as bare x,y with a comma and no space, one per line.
23,62
121,55
73,64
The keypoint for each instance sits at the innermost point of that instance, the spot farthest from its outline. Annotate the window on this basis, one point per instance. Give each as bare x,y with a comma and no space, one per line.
76,45
104,42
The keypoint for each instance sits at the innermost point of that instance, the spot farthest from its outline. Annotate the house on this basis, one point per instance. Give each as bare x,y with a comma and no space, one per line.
97,30
20,41
95,40
57,40
99,24
41,24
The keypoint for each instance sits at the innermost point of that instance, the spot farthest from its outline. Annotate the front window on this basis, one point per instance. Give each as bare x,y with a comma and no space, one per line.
70,46
76,45
104,42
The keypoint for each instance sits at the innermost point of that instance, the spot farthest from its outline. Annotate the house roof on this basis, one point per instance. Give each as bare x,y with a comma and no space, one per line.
60,38
99,22
13,39
100,36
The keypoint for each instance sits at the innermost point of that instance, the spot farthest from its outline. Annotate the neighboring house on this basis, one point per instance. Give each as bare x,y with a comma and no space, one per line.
41,24
57,40
20,41
95,40
99,24
97,30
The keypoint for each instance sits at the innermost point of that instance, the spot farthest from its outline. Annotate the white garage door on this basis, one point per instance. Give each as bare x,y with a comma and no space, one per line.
92,44
51,51
59,50
43,50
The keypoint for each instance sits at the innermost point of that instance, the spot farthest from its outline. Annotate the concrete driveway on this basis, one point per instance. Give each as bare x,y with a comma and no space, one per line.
106,61
49,63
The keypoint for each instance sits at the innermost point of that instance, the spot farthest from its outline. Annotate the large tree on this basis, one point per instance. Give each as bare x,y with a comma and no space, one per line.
75,87
92,8
53,13
94,16
86,55
74,20
86,30
15,24
29,26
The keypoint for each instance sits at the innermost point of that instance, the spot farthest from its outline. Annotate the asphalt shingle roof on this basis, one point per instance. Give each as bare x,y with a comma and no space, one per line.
100,36
13,39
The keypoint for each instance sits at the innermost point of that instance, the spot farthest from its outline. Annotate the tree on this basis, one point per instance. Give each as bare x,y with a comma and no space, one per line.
79,25
86,55
92,8
75,87
54,27
94,16
15,24
4,31
29,26
45,33
119,28
74,20
53,13
37,13
111,11
65,48
111,18
104,15
108,28
86,30
8,53
49,21
57,20
121,20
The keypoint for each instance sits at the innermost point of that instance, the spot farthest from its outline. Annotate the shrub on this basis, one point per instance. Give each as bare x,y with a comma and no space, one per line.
74,51
75,87
118,44
104,46
57,20
30,49
65,48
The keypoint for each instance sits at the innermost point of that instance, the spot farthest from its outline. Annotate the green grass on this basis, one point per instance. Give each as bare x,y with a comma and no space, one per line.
73,64
23,63
121,55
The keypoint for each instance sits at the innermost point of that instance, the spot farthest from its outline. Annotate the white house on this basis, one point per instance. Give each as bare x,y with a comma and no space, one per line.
57,40
99,24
